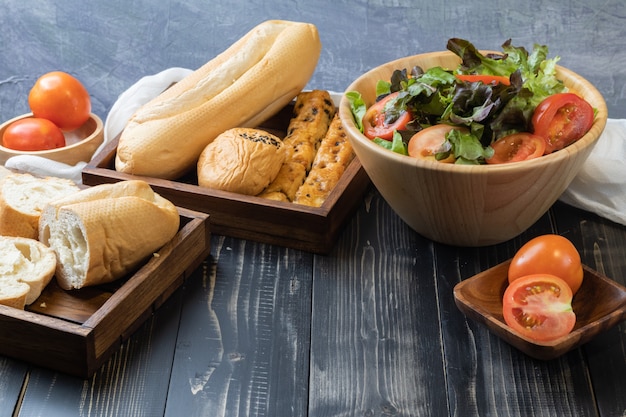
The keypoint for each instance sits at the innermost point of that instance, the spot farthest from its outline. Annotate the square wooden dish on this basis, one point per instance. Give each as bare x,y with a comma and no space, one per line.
599,304
76,331
313,229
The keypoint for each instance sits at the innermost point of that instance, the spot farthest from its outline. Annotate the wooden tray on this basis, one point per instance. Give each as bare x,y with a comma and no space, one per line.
76,331
599,304
286,224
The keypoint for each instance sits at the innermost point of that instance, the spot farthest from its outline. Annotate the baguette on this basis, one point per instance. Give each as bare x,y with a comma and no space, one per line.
26,267
242,87
313,113
23,197
333,157
102,233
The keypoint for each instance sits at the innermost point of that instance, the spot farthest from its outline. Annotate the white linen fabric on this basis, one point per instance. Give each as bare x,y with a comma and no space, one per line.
600,187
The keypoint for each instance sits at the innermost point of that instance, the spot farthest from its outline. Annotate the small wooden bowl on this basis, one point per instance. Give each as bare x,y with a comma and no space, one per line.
80,143
599,304
468,205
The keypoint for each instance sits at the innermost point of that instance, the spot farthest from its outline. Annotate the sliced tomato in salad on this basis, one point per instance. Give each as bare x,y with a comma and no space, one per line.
539,307
517,147
377,123
484,78
429,141
561,119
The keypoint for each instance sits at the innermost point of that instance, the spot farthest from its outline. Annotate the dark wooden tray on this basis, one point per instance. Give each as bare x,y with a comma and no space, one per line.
286,224
76,331
599,304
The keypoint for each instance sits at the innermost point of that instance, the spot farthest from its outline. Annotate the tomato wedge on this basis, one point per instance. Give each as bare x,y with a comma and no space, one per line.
426,143
539,307
377,123
485,79
561,119
517,147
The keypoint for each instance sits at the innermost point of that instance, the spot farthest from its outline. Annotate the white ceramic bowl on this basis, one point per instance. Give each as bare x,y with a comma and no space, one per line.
468,205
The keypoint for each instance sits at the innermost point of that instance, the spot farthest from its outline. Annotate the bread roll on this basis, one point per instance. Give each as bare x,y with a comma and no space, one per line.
23,197
102,233
243,86
313,113
26,267
241,160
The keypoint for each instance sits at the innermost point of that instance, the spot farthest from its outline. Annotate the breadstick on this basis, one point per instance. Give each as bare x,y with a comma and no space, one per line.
313,113
333,157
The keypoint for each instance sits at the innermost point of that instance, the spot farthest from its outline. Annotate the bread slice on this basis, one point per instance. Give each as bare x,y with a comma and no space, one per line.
100,234
23,197
26,267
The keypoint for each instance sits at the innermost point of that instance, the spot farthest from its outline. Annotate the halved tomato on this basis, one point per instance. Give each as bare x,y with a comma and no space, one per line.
539,307
561,119
485,79
429,141
380,123
517,147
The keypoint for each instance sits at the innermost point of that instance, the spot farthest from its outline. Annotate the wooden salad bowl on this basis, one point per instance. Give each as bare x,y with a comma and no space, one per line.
468,205
81,143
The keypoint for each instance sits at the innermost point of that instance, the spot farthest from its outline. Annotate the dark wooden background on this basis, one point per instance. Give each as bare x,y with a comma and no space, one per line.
371,329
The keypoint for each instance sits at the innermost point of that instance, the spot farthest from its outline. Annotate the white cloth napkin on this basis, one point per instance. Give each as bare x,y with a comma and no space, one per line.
600,187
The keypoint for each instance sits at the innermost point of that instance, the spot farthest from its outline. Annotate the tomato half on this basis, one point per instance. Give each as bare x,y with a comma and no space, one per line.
485,79
548,254
379,123
32,134
561,119
60,98
426,143
539,307
517,147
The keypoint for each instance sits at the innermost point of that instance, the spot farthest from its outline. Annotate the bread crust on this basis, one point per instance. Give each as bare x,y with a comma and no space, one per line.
242,87
102,233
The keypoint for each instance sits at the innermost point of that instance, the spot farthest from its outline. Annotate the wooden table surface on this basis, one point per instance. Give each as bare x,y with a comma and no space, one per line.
371,329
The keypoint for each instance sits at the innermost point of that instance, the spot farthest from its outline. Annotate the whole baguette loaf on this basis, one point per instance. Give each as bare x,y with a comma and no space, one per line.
23,197
102,233
26,267
243,86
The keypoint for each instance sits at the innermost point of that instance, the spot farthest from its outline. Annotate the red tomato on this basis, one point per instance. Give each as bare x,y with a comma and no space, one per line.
485,79
32,134
426,143
376,123
517,147
60,98
548,254
562,119
539,307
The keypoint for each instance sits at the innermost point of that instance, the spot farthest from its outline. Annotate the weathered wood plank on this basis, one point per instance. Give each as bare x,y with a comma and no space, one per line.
376,342
244,334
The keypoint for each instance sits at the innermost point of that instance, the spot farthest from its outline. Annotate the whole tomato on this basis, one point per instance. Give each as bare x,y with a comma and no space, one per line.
60,98
548,254
32,134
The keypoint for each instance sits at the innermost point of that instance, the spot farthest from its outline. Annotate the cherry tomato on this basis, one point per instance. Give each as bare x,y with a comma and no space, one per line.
548,254
561,119
60,98
377,123
426,143
485,79
539,306
32,134
517,147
